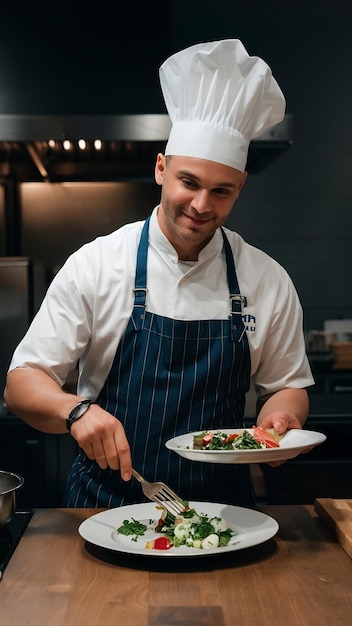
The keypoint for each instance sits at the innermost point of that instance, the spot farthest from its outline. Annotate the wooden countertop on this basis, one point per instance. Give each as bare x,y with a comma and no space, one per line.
301,577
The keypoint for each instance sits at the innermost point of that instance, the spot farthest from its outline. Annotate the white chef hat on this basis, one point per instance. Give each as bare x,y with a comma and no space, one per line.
218,99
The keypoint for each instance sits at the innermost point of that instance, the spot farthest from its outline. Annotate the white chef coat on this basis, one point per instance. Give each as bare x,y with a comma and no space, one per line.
89,302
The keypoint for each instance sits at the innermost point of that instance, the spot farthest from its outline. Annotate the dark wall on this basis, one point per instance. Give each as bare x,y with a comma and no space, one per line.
71,57
103,57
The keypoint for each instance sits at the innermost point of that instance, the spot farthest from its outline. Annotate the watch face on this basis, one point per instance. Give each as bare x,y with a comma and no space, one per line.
82,409
77,412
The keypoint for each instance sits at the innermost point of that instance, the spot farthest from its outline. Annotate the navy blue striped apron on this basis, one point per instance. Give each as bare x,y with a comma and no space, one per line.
171,377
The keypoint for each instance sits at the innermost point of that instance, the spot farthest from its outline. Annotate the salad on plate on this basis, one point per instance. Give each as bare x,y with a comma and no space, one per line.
190,529
258,439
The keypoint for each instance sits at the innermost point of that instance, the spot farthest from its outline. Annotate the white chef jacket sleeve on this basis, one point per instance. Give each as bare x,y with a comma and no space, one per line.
281,359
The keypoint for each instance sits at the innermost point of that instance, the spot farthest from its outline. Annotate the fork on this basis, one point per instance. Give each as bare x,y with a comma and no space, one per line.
161,494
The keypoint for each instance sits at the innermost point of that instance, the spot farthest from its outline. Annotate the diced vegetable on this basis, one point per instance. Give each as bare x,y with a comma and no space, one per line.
231,437
219,524
212,541
160,543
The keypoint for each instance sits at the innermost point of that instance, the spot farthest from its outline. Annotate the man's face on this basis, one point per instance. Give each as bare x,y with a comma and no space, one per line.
196,198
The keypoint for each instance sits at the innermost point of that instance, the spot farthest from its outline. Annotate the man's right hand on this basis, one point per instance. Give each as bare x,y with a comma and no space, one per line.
102,437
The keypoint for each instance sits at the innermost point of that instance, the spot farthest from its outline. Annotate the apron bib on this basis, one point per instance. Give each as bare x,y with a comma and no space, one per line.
170,377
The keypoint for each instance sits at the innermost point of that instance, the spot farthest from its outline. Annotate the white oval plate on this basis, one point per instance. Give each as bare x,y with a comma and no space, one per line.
291,445
251,527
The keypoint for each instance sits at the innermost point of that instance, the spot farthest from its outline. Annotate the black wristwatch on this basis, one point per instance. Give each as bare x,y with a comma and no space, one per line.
77,412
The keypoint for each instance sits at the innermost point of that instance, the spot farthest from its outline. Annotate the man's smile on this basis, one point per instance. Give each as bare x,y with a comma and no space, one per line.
197,221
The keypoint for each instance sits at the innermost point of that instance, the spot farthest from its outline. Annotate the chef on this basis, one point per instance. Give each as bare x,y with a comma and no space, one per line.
167,320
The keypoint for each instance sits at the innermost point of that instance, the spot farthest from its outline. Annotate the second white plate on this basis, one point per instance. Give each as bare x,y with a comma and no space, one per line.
291,445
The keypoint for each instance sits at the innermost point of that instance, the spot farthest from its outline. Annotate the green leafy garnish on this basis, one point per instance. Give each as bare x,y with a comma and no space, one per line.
134,529
246,441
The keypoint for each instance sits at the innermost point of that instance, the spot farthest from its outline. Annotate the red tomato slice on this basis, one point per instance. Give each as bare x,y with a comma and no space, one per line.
207,438
262,436
162,543
231,437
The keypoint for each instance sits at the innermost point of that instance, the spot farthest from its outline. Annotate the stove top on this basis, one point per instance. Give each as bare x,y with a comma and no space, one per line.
10,536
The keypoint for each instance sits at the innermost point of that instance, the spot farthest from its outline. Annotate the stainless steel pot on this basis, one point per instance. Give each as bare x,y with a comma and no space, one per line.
9,483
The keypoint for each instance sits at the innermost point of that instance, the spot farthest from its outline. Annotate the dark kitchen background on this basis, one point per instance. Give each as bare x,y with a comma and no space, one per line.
73,71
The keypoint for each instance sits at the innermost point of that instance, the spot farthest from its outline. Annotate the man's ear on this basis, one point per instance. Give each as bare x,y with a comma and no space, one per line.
245,176
159,169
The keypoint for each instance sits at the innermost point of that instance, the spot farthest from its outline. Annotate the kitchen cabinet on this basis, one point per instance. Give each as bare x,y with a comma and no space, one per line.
325,472
42,459
333,382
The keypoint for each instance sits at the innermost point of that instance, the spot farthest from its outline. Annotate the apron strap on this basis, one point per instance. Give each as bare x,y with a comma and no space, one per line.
140,284
237,301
